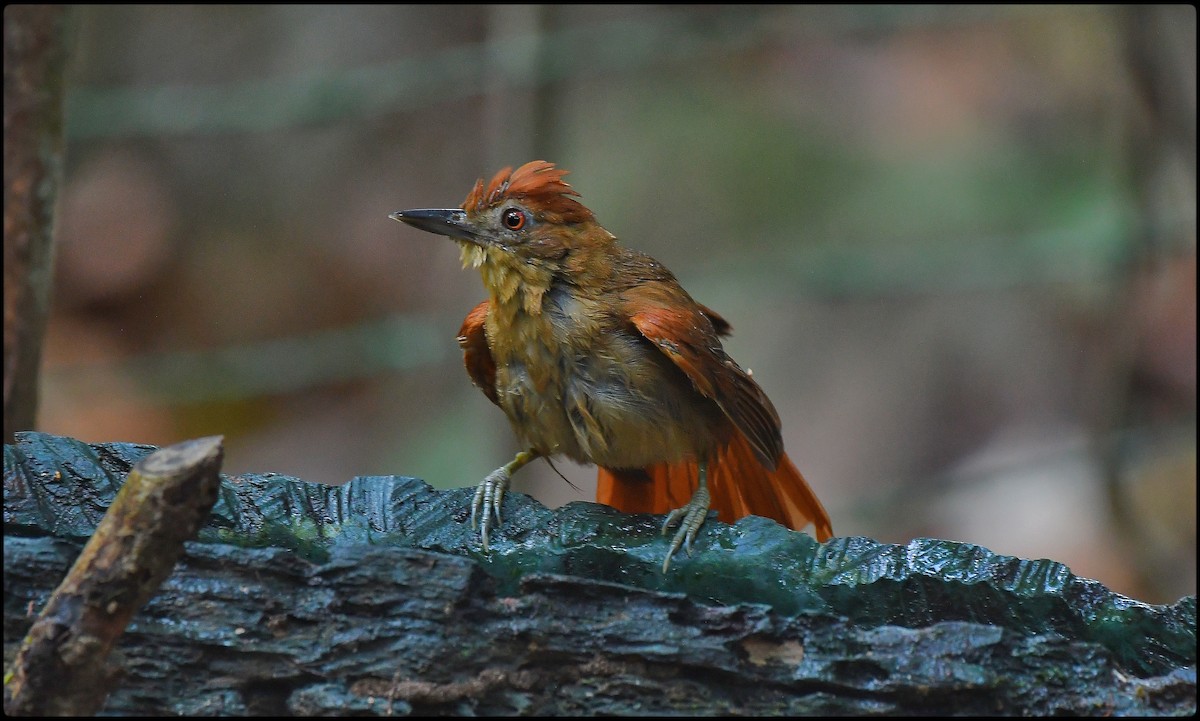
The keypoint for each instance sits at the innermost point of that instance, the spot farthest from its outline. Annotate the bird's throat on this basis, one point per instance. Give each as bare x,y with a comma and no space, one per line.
515,285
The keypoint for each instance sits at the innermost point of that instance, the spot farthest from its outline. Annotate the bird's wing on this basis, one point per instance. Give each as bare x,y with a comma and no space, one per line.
685,333
750,474
477,357
720,325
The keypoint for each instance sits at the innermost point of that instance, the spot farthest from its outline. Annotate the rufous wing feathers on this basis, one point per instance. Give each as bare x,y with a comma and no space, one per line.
750,474
686,335
477,357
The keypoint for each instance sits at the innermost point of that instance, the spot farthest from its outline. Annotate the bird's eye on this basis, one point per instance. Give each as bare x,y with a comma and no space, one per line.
513,219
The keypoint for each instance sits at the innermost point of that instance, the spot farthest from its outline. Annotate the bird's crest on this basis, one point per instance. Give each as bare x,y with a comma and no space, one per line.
538,185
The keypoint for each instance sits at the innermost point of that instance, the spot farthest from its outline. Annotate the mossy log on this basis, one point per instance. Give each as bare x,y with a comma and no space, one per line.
375,597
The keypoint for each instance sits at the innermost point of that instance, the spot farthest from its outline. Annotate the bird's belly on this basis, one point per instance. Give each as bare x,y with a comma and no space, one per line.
626,406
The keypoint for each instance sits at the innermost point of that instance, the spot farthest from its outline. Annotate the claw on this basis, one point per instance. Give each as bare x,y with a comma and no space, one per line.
490,494
476,502
689,518
488,497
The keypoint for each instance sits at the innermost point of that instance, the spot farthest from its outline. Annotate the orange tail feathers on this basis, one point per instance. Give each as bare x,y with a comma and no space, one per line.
739,484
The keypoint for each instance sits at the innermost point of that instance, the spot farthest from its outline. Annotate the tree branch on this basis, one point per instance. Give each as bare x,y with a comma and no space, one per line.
61,667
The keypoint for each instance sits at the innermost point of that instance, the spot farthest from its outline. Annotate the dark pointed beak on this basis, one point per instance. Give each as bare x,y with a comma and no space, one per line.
450,222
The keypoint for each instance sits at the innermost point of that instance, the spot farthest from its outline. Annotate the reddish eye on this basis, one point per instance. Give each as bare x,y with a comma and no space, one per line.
513,219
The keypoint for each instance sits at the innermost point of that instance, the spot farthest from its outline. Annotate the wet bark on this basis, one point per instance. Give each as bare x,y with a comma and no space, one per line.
375,597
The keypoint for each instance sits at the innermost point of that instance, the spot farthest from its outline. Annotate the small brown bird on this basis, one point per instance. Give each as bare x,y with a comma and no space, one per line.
595,352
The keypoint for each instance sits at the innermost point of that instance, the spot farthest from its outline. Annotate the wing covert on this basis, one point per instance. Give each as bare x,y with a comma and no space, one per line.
685,333
477,357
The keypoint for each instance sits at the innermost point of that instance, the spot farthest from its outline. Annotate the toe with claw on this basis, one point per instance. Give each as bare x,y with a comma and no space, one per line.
689,518
490,494
488,497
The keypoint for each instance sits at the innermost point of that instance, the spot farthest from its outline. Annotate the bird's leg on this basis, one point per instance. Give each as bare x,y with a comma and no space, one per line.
689,518
490,492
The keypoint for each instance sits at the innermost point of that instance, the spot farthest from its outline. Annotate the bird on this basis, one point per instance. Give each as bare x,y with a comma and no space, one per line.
595,352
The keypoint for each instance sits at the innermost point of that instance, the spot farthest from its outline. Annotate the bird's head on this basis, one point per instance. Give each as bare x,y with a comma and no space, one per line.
525,217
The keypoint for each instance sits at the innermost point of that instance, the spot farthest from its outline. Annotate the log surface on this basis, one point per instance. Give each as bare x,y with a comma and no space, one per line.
375,597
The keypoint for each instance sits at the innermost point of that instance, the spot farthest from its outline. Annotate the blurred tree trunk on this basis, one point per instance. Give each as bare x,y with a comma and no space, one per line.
34,61
1158,271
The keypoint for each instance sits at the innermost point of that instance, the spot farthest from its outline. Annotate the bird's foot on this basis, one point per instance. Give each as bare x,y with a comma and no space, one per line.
689,518
487,500
490,494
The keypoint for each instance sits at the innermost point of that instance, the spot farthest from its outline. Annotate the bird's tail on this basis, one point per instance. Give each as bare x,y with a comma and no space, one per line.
739,484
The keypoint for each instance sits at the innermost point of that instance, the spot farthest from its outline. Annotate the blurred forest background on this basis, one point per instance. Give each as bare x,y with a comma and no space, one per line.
957,244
